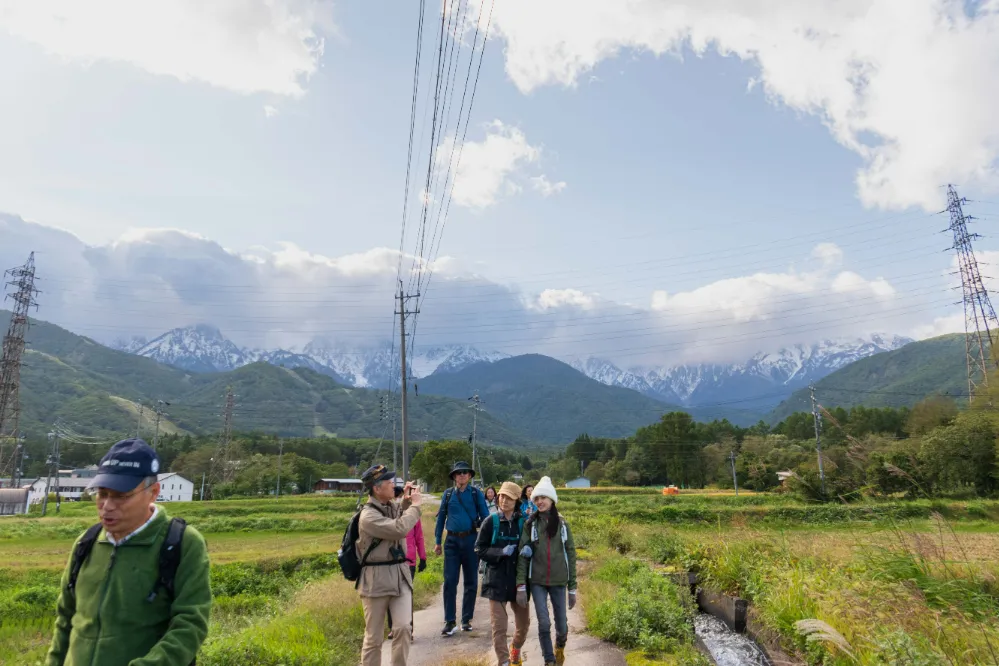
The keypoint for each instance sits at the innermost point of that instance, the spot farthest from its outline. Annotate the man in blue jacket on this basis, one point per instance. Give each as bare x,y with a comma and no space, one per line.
462,510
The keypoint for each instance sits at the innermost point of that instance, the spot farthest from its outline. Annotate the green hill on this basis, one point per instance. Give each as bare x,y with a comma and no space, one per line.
95,390
897,378
549,400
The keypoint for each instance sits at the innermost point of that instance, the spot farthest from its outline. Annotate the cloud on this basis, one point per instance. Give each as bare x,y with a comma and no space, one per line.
492,168
285,296
954,323
270,111
246,46
908,85
546,187
555,298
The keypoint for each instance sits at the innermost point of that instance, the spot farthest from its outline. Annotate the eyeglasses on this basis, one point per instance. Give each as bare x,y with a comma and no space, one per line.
462,473
103,495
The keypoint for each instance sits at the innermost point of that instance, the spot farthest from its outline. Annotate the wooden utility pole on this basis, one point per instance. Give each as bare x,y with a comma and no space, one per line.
818,437
402,297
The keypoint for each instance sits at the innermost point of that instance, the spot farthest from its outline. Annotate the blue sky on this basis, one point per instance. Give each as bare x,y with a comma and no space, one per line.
678,174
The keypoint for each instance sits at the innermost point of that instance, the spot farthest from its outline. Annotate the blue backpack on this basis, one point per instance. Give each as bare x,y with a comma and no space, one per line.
496,526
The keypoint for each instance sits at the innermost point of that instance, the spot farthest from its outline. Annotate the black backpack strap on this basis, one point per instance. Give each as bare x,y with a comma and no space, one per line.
80,553
170,553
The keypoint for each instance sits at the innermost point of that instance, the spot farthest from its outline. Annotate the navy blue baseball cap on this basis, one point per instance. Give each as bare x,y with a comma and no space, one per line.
125,465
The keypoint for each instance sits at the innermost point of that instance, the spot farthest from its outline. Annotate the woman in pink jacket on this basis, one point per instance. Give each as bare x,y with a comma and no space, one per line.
414,547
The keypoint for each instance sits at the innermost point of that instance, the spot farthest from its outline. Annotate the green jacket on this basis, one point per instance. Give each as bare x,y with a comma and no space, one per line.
109,622
552,563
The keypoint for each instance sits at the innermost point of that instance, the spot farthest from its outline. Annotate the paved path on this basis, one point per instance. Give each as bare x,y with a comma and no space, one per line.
431,649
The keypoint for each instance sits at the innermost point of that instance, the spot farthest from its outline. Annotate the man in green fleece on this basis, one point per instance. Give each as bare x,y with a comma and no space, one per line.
118,612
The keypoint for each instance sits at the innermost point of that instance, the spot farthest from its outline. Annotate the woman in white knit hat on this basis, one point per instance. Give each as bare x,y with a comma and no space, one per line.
546,571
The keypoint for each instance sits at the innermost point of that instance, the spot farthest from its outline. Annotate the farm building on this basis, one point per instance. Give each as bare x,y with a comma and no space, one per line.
338,486
175,488
13,501
581,482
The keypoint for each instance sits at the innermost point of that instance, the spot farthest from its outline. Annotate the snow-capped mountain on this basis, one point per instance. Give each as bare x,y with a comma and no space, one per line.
203,348
200,348
765,379
377,367
762,381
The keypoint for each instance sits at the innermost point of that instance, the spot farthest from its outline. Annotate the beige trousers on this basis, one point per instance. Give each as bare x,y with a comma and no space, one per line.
375,610
498,617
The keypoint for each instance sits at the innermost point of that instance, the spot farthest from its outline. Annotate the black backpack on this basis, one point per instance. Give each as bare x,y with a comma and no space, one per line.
347,555
169,557
350,565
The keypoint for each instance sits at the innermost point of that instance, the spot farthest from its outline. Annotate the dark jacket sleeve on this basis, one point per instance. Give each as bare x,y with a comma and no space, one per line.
484,544
522,562
191,607
65,609
570,551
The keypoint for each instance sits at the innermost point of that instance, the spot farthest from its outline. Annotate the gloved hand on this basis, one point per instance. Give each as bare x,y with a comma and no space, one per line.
422,567
572,599
522,596
526,551
509,550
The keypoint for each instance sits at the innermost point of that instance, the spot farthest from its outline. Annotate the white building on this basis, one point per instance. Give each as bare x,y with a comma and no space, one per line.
581,482
175,488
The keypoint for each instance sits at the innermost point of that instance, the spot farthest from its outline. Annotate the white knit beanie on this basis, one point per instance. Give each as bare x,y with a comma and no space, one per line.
545,488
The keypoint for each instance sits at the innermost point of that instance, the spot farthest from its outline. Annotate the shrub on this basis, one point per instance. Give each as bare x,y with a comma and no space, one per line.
648,612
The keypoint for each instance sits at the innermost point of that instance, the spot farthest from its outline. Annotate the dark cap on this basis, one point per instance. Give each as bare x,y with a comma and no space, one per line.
462,466
375,474
125,465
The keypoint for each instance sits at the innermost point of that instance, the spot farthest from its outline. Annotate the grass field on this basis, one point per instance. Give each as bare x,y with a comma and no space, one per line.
894,582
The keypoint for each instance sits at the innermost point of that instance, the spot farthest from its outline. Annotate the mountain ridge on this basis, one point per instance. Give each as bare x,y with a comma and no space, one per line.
754,387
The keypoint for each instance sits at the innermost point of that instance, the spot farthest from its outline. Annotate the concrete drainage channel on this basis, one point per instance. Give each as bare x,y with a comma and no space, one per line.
723,628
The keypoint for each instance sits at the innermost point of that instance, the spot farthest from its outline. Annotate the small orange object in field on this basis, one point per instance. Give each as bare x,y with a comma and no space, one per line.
671,490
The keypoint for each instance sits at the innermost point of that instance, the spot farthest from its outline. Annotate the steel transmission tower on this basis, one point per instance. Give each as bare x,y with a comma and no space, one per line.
221,462
979,317
22,279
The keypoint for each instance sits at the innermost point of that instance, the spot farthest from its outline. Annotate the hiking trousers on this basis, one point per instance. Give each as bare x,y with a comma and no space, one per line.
460,560
541,594
375,610
498,617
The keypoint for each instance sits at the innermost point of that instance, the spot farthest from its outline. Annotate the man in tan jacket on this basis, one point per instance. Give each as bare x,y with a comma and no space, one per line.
385,584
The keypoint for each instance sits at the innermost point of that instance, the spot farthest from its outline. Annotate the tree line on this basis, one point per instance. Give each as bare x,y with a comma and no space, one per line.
930,449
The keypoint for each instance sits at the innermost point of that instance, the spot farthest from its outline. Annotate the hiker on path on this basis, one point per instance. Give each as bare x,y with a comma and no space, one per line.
497,545
462,510
136,588
385,583
527,507
491,500
414,548
546,569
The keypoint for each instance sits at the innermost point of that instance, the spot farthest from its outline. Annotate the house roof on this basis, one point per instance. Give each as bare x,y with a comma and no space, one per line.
342,480
167,475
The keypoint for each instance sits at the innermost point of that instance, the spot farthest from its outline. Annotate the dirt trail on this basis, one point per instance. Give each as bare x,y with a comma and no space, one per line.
431,649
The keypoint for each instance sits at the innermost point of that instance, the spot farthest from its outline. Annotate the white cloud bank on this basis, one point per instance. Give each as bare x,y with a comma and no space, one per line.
492,168
152,280
246,46
912,86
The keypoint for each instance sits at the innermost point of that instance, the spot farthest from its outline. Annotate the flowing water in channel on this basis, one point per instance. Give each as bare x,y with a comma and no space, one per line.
727,648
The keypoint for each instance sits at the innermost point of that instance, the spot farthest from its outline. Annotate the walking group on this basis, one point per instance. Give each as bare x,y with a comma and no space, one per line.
526,547
136,589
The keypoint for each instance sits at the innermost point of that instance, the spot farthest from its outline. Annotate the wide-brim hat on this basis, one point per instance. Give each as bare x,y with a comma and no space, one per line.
461,466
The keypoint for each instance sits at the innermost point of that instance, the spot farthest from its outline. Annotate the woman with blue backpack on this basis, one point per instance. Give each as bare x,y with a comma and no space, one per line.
546,571
497,546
